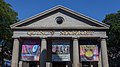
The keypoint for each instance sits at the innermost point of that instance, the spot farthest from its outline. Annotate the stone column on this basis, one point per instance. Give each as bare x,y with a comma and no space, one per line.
20,63
100,62
75,53
48,64
15,53
43,52
25,64
104,53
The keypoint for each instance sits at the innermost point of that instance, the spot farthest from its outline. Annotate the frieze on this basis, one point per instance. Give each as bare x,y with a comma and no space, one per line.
60,32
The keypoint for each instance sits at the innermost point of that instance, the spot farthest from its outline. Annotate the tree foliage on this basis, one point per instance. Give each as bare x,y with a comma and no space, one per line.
114,38
7,17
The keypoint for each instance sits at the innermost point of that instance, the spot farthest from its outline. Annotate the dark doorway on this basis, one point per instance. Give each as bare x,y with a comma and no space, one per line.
33,64
89,64
58,64
85,64
30,64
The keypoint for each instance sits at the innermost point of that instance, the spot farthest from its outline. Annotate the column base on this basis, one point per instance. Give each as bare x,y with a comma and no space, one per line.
48,64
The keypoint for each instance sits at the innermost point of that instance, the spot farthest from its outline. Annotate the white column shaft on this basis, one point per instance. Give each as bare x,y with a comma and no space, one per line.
43,53
75,53
104,53
15,53
20,63
100,62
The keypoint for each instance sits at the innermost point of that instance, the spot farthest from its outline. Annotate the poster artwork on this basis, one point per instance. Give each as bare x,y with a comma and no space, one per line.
60,51
30,52
89,52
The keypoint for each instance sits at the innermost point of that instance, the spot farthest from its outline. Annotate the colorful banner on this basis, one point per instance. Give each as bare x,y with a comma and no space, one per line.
89,52
30,52
60,50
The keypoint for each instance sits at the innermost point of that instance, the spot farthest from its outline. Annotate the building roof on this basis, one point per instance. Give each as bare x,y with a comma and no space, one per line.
59,8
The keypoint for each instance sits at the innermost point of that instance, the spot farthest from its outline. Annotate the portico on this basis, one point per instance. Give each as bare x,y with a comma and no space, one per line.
59,37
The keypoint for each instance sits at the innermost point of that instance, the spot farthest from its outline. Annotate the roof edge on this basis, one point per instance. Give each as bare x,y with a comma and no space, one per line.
63,8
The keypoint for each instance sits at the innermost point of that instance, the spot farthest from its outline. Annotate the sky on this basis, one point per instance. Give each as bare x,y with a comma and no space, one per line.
96,9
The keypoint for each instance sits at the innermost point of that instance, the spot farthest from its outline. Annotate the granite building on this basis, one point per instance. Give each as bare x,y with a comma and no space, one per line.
59,37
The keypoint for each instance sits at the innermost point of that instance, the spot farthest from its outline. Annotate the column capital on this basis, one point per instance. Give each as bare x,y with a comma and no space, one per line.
43,37
15,37
104,37
75,37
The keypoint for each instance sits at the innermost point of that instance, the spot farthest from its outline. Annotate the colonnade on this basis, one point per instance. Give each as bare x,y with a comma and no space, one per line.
76,59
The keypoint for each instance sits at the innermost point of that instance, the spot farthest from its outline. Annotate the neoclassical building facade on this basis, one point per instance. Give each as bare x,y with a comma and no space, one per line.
59,37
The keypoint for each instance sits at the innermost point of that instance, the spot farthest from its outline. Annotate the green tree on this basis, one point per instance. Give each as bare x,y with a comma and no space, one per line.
114,38
7,17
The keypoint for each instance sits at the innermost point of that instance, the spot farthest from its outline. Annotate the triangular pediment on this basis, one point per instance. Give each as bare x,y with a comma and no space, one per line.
71,20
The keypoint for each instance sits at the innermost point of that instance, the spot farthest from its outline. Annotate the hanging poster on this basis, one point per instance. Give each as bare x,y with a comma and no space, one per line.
60,50
89,52
30,51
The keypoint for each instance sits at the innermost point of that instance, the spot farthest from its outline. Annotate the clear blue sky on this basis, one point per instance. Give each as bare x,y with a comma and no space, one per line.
96,9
